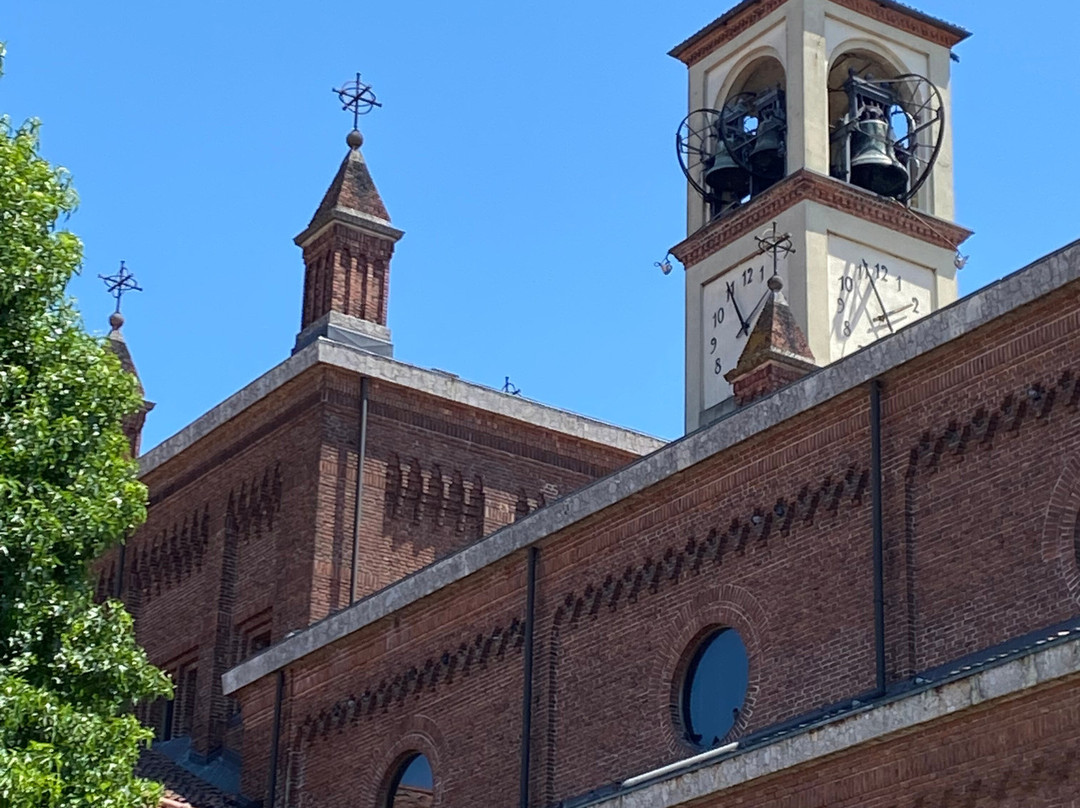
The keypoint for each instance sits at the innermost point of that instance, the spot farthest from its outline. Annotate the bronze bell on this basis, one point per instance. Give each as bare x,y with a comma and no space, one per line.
873,159
725,178
767,158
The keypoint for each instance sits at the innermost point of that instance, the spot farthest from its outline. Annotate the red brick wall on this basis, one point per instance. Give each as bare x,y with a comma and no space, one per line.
250,529
438,476
772,536
1022,752
213,568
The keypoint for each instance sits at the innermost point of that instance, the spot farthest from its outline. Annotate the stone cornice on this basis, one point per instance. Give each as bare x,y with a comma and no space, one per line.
747,13
363,222
723,29
807,185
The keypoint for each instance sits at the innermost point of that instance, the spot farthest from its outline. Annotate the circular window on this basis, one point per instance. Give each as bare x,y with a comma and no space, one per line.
715,688
412,786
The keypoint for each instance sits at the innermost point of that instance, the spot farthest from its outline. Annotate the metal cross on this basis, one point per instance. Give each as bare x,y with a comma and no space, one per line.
122,281
775,243
358,97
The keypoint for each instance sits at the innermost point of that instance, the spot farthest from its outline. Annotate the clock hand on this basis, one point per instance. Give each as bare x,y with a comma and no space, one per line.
746,328
742,320
882,317
884,314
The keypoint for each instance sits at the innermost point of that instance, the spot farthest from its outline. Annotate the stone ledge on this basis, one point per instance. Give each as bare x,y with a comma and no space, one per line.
382,368
965,315
670,786
833,193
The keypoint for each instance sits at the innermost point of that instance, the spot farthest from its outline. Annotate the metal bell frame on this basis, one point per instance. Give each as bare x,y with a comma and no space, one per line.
868,125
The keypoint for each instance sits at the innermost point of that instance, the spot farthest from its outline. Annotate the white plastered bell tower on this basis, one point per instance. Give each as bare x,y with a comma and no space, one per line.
864,265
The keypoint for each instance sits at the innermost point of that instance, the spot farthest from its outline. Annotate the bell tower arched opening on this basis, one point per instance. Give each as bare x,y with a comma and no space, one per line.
885,125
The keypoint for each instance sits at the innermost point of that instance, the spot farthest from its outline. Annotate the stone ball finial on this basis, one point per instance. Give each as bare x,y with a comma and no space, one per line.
775,283
354,139
116,319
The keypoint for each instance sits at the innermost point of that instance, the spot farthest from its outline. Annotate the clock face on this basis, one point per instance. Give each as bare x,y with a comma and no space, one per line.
730,305
873,294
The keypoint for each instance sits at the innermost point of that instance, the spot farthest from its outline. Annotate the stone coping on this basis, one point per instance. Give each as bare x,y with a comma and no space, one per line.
693,779
432,382
965,315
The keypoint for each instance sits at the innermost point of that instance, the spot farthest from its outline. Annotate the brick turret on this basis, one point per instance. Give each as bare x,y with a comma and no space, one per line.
776,352
347,249
133,424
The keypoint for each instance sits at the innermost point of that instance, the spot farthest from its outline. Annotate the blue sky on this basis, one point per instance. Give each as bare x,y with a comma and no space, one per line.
526,149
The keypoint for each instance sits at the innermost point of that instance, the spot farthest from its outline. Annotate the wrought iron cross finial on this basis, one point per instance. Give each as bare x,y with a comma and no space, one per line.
358,97
775,243
122,281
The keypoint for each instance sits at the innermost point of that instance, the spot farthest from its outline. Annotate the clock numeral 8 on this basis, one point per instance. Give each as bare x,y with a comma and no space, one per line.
717,367
847,328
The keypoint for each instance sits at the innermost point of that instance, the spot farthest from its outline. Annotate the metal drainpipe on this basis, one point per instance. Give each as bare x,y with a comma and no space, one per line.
527,688
275,738
879,533
361,451
118,590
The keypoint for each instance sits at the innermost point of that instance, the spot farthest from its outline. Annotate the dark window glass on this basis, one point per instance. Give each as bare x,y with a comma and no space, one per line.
412,787
715,688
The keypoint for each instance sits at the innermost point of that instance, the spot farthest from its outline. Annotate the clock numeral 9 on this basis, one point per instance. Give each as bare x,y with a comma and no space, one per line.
712,342
717,317
717,367
839,305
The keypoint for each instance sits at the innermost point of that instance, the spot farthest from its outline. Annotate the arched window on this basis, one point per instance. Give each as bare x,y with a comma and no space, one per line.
753,126
412,786
714,688
885,125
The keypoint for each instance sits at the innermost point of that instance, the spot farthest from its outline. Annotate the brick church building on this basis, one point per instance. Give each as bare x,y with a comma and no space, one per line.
854,582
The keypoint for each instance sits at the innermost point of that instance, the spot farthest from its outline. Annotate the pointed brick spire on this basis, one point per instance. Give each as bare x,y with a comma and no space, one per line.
133,424
347,250
776,352
353,190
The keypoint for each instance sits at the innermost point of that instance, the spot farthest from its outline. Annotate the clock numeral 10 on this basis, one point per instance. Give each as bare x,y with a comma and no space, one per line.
717,317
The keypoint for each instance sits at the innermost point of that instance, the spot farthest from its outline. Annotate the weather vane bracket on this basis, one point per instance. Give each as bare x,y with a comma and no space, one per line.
356,97
775,244
123,281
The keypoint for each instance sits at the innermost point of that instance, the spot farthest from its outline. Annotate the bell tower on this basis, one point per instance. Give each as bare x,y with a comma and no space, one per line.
831,119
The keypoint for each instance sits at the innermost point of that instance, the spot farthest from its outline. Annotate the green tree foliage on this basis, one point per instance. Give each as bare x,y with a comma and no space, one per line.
70,669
